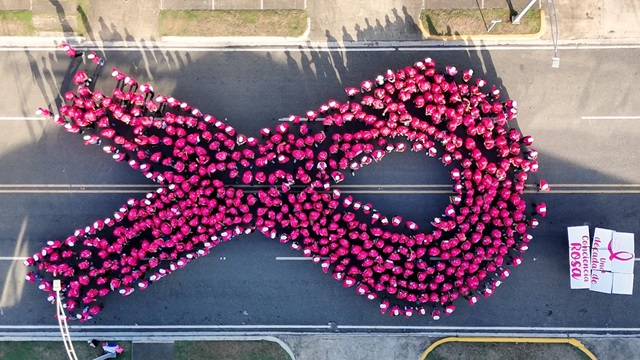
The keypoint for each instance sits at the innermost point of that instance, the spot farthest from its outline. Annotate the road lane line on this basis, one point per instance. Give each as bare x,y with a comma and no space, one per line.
347,189
610,118
596,185
76,185
292,258
322,46
427,328
123,191
13,258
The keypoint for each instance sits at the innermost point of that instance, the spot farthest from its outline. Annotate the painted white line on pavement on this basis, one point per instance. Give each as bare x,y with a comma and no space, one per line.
610,117
337,186
426,328
322,46
76,185
292,258
12,258
79,191
22,118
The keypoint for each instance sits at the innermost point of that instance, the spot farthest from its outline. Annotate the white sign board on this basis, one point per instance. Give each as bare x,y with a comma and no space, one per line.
601,281
622,284
599,251
621,252
602,238
579,259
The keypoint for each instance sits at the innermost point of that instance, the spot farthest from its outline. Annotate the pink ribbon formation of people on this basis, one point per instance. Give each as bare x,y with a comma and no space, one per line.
197,159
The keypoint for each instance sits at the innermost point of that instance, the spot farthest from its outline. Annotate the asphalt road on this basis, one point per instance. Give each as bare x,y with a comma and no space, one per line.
242,283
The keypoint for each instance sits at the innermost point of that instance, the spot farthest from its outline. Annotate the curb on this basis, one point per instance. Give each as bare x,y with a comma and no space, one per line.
473,38
570,341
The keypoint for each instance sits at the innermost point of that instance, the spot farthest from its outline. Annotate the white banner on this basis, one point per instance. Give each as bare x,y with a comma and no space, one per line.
622,253
622,284
579,260
600,259
601,281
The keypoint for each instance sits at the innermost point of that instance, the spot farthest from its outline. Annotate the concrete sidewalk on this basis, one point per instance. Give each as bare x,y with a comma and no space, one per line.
365,22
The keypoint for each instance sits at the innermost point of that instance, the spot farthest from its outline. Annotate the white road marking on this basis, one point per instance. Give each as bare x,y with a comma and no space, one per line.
346,189
610,117
423,329
303,46
12,258
293,258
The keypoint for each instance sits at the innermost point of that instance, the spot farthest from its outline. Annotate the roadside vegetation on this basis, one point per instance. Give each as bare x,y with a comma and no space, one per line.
477,21
229,350
16,23
291,23
54,350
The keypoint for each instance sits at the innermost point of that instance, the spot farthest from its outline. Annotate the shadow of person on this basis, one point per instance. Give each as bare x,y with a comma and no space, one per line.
330,39
388,25
410,24
128,37
400,23
430,26
368,31
359,32
86,23
104,33
379,30
115,34
346,37
305,64
62,17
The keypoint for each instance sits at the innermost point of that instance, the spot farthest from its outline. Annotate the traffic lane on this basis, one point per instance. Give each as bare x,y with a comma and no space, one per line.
251,91
43,153
61,158
30,220
296,292
316,74
22,303
247,88
33,79
536,294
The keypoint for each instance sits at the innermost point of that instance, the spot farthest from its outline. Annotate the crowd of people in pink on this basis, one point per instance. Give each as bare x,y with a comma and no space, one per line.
197,159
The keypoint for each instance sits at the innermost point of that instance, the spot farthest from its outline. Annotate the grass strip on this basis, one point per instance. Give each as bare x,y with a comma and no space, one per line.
82,17
229,350
449,22
16,23
54,350
291,23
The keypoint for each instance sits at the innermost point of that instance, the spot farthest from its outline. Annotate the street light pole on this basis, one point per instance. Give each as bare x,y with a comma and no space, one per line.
62,322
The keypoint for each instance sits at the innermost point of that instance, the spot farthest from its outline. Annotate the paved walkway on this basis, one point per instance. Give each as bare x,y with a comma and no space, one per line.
587,21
